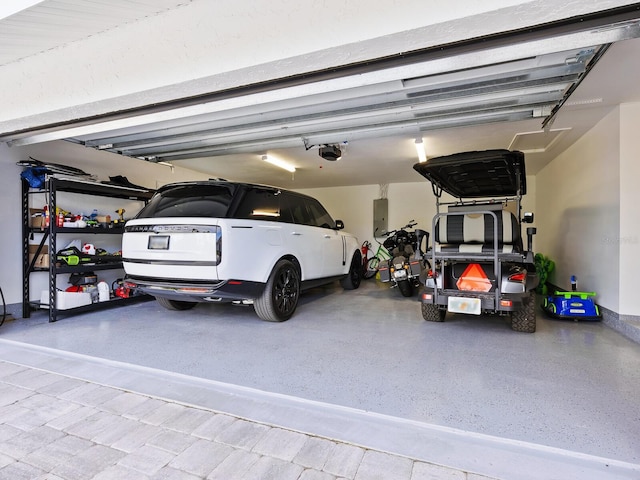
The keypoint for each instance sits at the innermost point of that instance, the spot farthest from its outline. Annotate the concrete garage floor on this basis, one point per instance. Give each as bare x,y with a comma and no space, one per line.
571,385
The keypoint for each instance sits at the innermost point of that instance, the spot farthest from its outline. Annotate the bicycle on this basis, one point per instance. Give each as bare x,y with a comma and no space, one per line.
370,264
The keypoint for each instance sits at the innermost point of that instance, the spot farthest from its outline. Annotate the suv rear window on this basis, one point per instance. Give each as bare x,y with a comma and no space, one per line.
189,201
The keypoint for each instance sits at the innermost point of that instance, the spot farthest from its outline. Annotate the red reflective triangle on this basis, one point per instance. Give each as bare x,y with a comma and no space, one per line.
474,279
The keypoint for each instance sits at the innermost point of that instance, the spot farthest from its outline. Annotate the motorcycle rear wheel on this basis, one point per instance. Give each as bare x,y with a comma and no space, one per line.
406,288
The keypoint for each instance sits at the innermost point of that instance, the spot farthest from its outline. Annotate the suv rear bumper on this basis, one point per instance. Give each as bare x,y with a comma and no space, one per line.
505,302
195,291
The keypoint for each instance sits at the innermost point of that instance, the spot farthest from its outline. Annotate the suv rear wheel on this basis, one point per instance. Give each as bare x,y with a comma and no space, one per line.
280,297
175,304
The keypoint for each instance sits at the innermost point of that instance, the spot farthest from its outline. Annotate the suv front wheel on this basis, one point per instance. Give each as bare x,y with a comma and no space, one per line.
352,280
280,297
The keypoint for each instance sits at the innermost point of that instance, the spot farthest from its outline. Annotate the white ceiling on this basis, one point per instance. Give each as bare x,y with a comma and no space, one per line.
378,143
45,25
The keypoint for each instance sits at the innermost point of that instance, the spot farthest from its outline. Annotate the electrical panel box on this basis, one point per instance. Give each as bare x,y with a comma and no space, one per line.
380,216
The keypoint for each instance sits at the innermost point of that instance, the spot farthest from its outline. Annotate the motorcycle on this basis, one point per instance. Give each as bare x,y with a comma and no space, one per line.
406,262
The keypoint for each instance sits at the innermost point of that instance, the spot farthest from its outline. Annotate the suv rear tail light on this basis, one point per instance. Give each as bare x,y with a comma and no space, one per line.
194,290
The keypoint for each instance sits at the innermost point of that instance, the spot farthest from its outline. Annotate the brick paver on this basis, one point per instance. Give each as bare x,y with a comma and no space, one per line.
58,428
172,441
242,434
280,443
382,466
344,460
314,453
147,460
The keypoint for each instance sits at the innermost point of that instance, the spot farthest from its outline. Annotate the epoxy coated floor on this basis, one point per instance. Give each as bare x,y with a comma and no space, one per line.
570,385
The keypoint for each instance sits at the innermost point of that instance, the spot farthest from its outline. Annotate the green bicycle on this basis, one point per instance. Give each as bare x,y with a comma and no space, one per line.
370,264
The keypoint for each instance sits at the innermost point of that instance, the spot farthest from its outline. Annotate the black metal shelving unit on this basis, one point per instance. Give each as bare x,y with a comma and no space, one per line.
49,234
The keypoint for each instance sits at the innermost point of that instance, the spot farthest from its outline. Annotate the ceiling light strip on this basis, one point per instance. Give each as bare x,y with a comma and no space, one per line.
279,163
422,155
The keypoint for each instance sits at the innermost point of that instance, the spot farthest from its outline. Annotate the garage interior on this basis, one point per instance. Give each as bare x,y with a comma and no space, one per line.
177,90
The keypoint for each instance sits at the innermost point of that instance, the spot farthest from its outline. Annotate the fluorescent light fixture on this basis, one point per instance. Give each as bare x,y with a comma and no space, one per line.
279,163
422,155
167,164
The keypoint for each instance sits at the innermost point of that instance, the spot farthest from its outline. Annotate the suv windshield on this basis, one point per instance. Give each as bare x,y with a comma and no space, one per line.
189,201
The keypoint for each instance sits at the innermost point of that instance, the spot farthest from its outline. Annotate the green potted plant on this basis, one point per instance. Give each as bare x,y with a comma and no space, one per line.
544,266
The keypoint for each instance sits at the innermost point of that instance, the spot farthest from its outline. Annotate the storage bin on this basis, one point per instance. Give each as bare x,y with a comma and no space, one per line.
66,300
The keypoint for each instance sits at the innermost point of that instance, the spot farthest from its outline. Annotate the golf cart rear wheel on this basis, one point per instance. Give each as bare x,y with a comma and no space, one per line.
431,313
175,304
524,320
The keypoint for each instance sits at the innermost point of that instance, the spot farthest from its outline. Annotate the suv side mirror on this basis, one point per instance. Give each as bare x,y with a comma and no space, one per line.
339,224
528,217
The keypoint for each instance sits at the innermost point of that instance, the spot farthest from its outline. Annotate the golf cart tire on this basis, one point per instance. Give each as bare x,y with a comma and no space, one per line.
175,304
524,320
431,313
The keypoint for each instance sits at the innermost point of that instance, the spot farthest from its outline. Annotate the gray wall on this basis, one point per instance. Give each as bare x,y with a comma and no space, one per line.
580,194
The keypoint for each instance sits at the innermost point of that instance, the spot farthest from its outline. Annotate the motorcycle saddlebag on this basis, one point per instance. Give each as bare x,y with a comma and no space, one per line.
383,270
414,265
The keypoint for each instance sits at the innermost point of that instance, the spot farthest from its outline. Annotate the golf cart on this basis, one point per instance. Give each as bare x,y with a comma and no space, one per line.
478,263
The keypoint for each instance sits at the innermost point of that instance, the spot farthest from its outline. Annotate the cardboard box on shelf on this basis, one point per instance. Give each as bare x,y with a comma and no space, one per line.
43,259
36,216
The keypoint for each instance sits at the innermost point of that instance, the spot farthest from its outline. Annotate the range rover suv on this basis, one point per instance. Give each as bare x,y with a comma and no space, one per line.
221,241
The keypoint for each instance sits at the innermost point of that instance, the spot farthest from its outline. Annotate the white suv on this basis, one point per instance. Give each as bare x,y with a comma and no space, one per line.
220,241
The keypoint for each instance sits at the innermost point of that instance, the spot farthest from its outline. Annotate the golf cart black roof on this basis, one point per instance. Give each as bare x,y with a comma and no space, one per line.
490,173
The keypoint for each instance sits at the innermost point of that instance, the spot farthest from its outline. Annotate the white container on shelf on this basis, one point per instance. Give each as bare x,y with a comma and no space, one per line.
66,300
103,291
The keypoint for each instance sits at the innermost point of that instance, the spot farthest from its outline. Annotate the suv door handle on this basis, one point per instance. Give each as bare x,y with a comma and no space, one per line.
327,236
297,234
